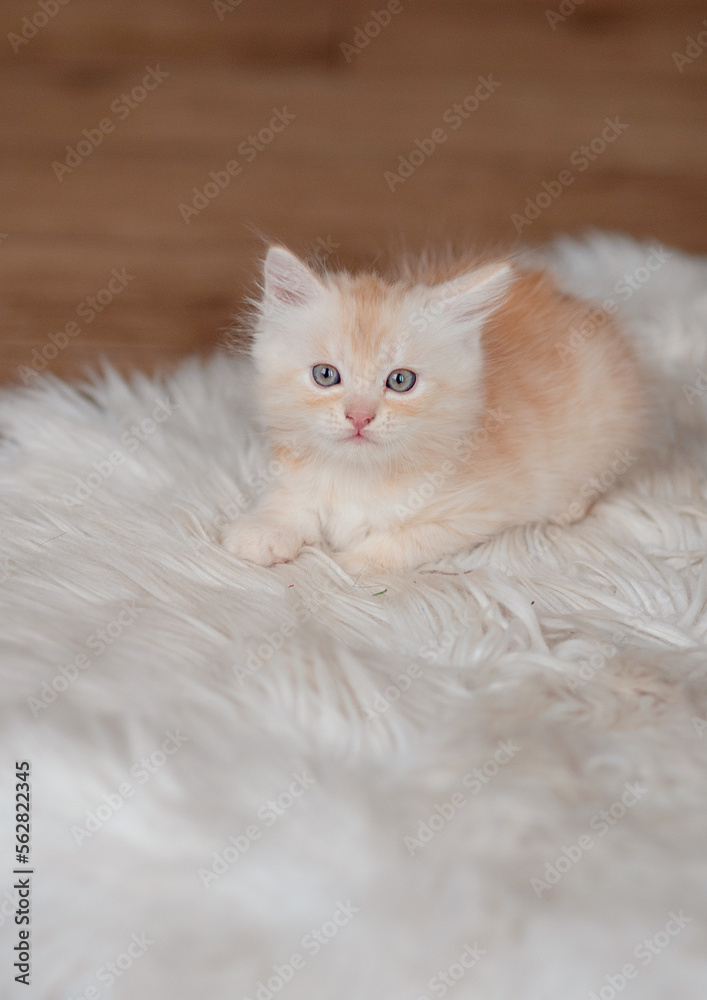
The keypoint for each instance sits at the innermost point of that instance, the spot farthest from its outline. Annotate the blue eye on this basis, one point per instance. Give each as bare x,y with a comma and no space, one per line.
325,375
401,380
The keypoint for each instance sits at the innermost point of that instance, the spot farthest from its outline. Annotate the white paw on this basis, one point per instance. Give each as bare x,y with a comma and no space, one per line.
261,541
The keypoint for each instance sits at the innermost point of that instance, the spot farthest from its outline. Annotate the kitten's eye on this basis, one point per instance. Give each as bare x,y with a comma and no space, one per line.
325,375
401,380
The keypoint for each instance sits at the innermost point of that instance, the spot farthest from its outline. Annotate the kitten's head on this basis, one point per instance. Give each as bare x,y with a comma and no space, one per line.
368,373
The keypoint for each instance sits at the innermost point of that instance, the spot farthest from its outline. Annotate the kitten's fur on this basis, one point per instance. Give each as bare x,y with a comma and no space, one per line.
510,417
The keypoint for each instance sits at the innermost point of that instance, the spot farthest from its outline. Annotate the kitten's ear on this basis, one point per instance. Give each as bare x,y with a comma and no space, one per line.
288,281
474,295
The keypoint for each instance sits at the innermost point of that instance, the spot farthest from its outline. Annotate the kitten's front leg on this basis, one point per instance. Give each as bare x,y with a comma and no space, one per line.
272,535
402,549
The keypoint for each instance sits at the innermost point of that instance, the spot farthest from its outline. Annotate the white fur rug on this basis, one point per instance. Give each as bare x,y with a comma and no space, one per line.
485,780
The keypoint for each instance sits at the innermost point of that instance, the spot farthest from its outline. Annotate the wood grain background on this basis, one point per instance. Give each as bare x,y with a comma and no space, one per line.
319,185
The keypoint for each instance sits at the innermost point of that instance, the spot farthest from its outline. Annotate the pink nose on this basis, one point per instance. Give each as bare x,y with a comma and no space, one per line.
359,418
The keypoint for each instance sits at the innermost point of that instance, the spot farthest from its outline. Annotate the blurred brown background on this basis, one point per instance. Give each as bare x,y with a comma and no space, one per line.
105,246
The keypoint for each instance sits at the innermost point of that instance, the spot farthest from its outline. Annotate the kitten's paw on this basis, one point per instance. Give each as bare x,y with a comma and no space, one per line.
260,541
357,565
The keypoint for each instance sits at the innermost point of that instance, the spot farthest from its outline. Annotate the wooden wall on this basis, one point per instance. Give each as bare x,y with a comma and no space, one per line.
320,183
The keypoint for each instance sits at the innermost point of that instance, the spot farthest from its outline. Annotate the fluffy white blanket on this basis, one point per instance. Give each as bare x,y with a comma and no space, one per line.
486,779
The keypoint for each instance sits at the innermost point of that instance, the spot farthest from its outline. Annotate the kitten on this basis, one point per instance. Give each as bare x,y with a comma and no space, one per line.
416,416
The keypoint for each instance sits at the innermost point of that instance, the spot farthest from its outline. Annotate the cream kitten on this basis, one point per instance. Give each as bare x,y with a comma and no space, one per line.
416,416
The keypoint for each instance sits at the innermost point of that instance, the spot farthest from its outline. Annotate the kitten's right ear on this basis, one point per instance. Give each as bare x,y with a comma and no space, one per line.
473,296
288,281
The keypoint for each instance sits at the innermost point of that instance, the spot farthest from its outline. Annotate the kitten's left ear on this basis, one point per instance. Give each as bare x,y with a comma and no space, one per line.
474,295
288,281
